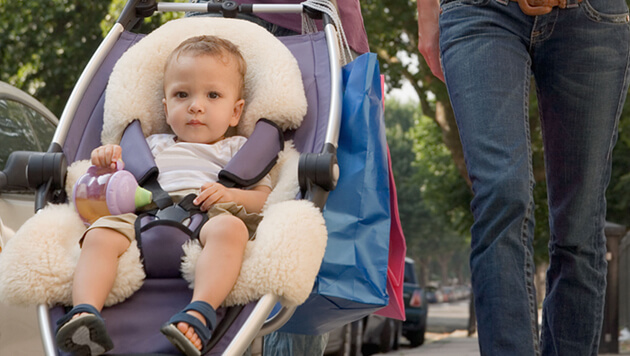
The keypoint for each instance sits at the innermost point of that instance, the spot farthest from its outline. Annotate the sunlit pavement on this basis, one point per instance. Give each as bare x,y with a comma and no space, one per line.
456,343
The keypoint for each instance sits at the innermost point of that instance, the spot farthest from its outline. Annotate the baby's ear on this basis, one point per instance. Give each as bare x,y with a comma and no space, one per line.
238,111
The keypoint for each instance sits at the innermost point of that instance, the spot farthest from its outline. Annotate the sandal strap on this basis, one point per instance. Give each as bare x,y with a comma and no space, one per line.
201,330
77,309
206,310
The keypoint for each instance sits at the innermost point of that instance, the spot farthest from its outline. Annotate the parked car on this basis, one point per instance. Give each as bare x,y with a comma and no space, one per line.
346,340
434,294
381,335
25,124
416,306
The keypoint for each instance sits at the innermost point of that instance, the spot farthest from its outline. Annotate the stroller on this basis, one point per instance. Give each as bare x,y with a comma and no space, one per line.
254,312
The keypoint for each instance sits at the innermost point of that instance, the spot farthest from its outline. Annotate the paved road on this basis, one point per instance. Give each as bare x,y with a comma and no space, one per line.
446,335
448,317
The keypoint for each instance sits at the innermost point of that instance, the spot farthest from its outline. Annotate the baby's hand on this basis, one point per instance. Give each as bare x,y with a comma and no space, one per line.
212,193
106,156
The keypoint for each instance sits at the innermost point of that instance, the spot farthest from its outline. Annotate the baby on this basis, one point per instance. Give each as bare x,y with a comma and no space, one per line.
203,89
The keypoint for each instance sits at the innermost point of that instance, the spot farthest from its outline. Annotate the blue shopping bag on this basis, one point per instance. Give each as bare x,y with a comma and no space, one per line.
352,281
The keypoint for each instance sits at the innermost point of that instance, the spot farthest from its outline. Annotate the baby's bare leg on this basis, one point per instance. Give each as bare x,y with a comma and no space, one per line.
98,263
223,238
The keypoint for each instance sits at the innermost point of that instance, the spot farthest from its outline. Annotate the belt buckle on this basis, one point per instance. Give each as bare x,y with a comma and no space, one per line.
530,10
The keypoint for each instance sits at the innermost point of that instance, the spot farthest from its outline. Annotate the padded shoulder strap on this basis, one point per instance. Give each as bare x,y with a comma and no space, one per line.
256,158
136,153
139,161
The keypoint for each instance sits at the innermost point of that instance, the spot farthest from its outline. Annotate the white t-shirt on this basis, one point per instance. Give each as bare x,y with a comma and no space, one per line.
187,165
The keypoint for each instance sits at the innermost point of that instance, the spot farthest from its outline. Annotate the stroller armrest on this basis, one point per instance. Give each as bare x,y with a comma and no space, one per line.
44,172
318,174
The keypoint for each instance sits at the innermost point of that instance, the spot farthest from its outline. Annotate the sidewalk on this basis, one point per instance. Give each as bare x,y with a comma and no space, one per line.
455,344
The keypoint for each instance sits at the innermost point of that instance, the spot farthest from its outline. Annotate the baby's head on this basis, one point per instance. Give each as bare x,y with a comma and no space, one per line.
203,89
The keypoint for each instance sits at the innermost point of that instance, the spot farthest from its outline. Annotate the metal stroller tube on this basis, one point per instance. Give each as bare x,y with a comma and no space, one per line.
43,319
334,116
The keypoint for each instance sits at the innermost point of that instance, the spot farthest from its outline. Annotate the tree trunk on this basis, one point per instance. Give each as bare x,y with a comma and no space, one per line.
444,260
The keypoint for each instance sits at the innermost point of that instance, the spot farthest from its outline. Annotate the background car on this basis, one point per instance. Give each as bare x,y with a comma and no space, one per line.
346,340
416,306
381,335
25,125
434,294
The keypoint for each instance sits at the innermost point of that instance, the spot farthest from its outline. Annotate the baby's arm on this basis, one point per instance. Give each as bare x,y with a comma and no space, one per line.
252,199
106,156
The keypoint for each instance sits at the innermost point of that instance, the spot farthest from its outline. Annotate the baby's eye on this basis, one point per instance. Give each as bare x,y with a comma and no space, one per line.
181,95
213,95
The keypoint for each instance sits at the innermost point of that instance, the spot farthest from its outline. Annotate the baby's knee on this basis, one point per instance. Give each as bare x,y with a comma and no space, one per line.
225,227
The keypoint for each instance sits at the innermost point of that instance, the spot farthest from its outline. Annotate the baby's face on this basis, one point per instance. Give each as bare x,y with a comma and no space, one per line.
202,97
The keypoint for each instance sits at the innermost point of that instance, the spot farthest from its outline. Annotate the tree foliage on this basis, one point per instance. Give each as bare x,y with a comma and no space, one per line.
427,184
44,46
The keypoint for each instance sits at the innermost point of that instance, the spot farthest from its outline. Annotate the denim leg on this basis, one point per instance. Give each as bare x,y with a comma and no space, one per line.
485,56
580,61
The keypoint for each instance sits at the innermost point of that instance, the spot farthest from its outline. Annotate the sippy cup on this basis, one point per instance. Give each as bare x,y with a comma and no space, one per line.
107,191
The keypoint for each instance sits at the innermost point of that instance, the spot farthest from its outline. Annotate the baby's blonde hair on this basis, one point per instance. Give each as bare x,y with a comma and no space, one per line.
212,46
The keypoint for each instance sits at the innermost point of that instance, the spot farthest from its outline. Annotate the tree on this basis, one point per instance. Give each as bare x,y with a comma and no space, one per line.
45,46
393,35
426,181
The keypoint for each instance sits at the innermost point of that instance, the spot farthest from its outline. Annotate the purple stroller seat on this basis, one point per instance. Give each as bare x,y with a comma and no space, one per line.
134,324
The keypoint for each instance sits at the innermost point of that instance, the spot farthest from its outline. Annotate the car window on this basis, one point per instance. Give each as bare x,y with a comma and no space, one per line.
22,129
410,274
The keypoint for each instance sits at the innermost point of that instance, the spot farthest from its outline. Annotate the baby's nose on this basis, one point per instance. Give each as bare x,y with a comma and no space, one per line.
195,106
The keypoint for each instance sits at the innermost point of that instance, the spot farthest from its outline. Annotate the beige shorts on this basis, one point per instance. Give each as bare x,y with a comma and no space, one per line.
125,223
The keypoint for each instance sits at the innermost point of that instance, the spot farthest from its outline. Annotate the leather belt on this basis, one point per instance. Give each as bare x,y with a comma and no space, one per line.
541,7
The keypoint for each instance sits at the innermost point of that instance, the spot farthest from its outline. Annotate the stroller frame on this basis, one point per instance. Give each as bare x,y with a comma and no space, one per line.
311,165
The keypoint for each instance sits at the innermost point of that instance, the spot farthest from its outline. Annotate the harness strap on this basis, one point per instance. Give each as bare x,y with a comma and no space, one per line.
256,158
160,197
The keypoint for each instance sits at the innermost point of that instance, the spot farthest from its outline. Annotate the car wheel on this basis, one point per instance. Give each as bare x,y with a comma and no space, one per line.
369,349
388,336
398,325
416,338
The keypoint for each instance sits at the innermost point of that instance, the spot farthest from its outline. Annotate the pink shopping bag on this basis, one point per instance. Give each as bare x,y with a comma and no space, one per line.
397,252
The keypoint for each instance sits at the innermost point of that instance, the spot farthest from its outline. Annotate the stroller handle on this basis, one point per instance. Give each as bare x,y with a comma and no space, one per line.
230,8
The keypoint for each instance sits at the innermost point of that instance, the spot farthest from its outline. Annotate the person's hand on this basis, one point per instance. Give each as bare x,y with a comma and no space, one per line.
428,35
212,193
106,156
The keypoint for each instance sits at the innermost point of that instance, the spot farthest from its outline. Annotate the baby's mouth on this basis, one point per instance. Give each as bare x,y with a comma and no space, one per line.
195,123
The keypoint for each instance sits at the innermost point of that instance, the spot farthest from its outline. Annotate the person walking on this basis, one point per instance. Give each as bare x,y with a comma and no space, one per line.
578,53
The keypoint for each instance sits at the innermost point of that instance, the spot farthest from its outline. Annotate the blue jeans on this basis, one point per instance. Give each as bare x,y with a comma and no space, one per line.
579,59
